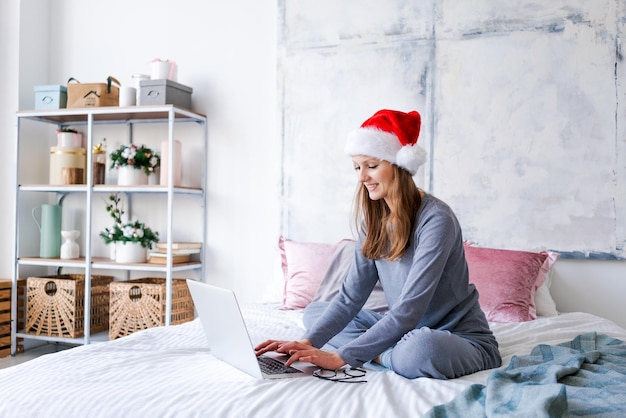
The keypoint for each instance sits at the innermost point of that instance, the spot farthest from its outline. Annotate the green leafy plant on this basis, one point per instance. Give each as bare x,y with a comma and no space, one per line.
67,129
138,157
133,231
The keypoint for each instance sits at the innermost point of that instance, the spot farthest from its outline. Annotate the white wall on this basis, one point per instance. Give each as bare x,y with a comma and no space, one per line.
515,96
9,51
595,286
225,51
522,116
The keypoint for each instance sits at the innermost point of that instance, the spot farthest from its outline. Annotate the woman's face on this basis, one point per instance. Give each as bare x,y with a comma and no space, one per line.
376,175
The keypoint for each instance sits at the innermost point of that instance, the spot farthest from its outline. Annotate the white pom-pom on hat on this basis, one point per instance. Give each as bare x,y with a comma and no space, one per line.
390,135
411,157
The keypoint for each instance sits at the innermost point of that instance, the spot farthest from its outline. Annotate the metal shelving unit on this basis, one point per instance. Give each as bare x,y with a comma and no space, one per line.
89,117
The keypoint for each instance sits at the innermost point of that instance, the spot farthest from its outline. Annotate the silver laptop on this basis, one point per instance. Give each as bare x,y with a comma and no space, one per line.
228,338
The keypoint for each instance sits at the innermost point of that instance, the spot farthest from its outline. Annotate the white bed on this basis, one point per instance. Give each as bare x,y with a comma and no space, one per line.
169,371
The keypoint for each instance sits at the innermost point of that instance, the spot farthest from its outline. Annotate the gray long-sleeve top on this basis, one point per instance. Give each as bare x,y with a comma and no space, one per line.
427,287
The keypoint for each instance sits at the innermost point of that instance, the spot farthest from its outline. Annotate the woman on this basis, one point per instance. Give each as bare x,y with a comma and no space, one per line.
412,243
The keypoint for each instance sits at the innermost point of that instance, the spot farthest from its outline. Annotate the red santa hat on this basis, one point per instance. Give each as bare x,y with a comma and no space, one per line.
390,135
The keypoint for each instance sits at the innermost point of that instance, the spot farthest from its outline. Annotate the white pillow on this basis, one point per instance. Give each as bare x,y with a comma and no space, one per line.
544,303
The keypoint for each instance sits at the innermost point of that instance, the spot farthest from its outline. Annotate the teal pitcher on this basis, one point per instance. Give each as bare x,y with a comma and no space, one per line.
49,230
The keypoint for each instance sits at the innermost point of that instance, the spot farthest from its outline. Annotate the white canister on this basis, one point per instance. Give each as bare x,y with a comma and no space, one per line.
177,168
160,70
69,139
136,80
62,162
128,96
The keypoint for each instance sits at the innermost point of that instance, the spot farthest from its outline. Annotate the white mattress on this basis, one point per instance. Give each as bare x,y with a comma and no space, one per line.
169,372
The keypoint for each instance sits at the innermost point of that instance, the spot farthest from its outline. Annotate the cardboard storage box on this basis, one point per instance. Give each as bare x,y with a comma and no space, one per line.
160,92
140,304
50,97
55,305
93,94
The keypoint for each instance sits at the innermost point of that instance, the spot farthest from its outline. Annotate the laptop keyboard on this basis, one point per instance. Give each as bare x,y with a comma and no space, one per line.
272,366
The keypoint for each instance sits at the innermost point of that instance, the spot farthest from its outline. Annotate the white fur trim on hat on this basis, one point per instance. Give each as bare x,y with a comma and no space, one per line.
385,146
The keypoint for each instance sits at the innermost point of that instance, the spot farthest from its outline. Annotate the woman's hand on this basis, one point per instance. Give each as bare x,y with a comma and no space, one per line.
269,345
302,350
324,359
277,345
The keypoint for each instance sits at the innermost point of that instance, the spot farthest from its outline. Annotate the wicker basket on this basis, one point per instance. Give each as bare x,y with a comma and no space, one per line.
5,315
140,304
55,305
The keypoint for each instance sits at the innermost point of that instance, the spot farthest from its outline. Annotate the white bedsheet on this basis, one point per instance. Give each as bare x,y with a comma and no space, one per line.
169,372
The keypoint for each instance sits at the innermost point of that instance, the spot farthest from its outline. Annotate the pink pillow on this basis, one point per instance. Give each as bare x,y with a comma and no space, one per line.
507,281
304,265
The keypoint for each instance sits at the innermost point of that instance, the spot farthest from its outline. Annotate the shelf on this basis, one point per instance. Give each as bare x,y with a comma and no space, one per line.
105,263
98,337
111,114
27,186
52,262
106,188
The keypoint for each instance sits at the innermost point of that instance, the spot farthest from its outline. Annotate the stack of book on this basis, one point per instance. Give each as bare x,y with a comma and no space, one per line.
181,252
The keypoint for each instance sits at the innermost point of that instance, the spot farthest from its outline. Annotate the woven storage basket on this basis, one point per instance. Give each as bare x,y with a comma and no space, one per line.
55,305
5,315
140,304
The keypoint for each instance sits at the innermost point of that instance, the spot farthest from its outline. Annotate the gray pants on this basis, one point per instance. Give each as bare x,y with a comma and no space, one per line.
422,352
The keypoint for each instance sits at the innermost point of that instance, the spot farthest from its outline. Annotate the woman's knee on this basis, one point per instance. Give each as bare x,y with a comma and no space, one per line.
413,356
435,354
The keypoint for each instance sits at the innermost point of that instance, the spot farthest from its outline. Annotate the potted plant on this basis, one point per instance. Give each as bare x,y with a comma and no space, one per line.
131,239
135,163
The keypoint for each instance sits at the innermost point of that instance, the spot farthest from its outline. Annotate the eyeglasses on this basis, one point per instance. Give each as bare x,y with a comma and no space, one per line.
341,375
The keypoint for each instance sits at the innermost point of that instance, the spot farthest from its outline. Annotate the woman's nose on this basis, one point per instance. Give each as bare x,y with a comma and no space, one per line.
362,175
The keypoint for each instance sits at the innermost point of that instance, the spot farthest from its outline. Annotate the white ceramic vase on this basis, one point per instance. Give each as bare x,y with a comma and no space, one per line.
129,252
70,248
130,176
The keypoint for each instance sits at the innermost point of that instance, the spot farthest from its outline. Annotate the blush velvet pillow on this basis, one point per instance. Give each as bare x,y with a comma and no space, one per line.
304,265
507,281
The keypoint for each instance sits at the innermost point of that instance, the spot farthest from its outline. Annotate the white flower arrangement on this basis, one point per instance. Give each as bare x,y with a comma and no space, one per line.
138,157
133,231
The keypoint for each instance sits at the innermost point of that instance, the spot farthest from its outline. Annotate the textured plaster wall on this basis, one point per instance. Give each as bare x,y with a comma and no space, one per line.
522,108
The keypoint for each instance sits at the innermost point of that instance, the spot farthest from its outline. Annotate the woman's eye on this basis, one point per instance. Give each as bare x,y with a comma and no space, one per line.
371,167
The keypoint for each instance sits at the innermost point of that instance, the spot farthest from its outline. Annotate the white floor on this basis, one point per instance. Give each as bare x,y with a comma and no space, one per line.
32,353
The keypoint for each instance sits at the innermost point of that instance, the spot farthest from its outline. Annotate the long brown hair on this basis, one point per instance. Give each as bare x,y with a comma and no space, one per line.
387,232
